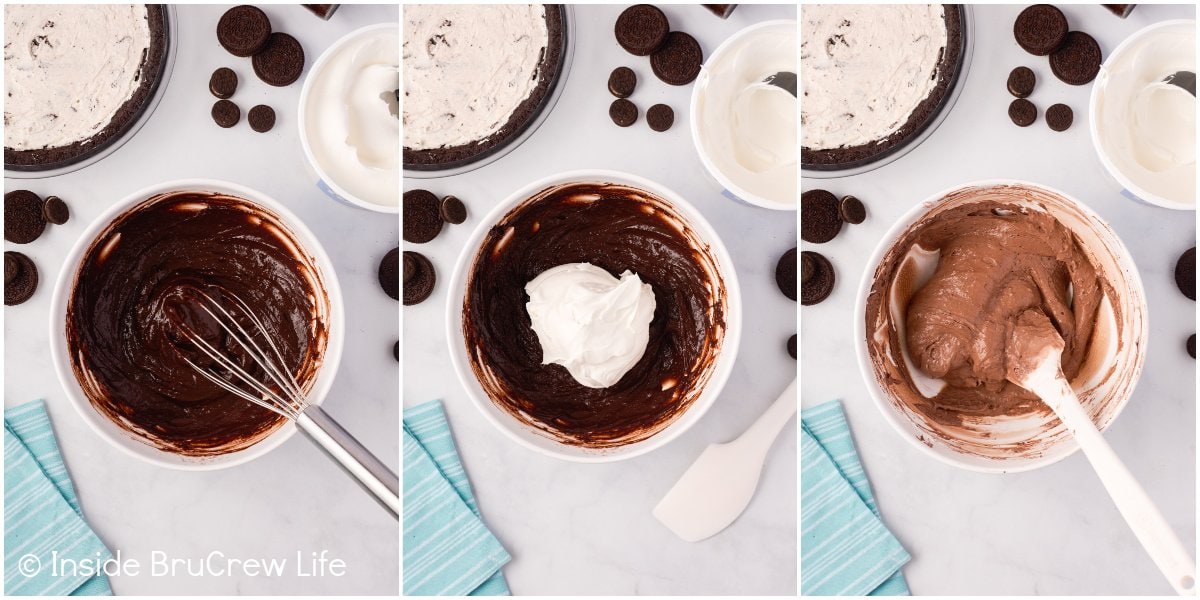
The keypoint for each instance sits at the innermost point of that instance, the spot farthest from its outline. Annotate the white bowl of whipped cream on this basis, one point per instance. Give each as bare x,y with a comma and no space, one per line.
349,119
746,131
1144,129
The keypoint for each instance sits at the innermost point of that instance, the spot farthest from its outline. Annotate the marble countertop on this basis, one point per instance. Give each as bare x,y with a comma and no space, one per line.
293,502
1053,530
587,529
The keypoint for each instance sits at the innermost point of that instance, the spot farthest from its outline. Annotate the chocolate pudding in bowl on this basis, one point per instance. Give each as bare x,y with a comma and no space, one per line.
593,316
940,299
131,293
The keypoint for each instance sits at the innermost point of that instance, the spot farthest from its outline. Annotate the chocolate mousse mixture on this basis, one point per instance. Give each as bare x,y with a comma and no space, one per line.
615,228
138,290
996,261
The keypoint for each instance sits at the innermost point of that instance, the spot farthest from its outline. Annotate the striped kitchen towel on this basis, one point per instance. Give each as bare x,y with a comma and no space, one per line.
41,513
846,550
448,551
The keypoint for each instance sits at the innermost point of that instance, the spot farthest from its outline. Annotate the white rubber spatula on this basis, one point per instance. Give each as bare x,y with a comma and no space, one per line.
1034,362
715,490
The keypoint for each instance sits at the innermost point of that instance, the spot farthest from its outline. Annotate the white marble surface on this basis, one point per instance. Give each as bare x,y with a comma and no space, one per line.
292,500
587,529
1054,530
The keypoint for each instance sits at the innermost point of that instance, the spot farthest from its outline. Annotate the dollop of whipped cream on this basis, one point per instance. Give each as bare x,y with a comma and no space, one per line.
467,68
865,69
590,322
746,127
353,122
68,70
1145,126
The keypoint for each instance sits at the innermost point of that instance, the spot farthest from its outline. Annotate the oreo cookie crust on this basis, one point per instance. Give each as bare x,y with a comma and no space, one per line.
946,72
549,72
149,75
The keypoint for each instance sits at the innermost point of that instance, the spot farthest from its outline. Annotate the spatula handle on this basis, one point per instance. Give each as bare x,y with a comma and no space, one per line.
758,439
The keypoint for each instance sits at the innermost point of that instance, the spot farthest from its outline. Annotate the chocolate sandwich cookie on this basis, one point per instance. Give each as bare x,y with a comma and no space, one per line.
1191,345
678,61
223,83
818,287
1040,29
641,29
422,219
785,274
791,346
820,220
24,280
23,218
1059,117
621,82
623,112
389,273
1185,273
243,30
261,118
1022,112
419,278
1077,60
452,210
280,62
396,351
1021,82
226,114
660,117
807,267
55,210
851,210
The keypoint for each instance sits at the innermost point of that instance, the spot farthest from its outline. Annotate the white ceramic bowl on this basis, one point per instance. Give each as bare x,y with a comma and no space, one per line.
976,450
1131,189
128,441
732,189
535,439
324,182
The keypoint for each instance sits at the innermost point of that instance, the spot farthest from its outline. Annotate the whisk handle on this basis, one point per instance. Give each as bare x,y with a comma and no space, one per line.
374,476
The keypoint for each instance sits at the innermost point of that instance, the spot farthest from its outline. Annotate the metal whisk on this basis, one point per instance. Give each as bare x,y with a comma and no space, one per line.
283,396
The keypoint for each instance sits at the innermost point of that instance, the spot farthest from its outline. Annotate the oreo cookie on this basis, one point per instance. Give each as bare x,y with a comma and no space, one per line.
1021,82
851,210
223,83
23,218
621,82
820,285
785,274
452,210
243,30
791,346
623,112
1191,345
1077,60
807,268
641,29
55,210
1059,117
1022,112
1185,273
1040,29
820,219
24,280
280,62
389,273
660,117
678,61
396,351
261,118
422,219
419,278
226,113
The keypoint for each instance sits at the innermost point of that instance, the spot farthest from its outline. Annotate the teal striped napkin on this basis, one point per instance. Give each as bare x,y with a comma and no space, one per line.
41,512
448,551
845,550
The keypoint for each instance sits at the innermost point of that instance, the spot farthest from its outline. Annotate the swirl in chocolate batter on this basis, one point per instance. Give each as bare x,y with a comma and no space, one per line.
616,228
137,291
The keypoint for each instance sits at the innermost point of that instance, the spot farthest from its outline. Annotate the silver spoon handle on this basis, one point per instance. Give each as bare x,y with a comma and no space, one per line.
374,476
